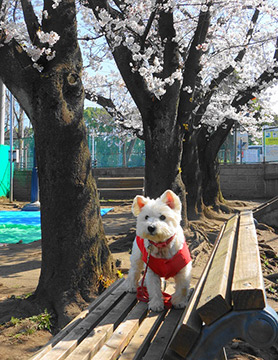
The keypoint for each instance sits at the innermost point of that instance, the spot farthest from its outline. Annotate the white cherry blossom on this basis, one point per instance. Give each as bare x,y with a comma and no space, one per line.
134,25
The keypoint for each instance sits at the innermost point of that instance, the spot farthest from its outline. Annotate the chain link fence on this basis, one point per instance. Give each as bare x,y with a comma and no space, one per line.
109,151
105,152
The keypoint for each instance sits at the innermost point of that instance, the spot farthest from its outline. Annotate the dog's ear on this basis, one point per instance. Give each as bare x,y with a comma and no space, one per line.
138,203
172,200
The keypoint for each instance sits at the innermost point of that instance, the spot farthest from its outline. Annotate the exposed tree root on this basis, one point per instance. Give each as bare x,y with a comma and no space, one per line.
262,226
234,203
208,223
209,220
218,212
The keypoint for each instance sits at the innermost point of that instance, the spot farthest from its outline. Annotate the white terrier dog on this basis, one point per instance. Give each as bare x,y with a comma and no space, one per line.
158,231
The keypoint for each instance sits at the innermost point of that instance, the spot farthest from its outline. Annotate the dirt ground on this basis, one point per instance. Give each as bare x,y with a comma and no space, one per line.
20,270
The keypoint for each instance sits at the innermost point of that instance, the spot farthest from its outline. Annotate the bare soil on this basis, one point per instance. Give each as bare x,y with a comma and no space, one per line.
20,270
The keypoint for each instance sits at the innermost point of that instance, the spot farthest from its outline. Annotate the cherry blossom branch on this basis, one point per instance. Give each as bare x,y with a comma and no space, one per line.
112,110
254,42
123,57
225,73
90,38
192,67
266,77
218,137
31,21
121,4
97,5
167,33
148,27
13,57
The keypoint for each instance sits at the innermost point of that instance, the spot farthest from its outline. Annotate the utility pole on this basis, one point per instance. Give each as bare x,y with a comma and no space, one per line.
11,148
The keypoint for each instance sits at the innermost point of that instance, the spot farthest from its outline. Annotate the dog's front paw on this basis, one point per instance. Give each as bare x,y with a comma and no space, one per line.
179,302
156,305
131,289
180,305
130,286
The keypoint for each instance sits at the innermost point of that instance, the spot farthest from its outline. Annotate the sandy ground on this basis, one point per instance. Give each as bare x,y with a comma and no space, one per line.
20,270
20,263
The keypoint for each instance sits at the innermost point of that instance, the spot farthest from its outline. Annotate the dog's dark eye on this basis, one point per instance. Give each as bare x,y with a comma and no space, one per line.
162,217
146,217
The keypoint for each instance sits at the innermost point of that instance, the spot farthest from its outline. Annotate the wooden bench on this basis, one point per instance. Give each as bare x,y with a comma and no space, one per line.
120,187
228,302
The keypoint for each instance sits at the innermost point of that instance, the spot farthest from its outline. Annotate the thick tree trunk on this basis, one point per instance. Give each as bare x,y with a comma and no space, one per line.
208,150
212,194
192,177
200,169
75,253
163,139
74,249
162,131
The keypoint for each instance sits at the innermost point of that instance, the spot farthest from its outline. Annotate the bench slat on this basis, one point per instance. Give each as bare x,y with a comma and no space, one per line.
248,287
97,337
63,348
117,326
161,341
189,329
141,340
144,335
128,182
215,300
125,331
65,331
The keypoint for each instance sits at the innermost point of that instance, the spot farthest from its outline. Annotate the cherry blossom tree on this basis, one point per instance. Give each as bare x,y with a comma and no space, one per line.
192,69
188,71
41,64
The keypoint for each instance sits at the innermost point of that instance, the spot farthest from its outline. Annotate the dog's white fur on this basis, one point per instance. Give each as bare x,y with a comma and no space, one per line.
158,220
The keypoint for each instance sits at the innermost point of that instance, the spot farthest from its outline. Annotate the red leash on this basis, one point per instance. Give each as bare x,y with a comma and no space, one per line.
142,292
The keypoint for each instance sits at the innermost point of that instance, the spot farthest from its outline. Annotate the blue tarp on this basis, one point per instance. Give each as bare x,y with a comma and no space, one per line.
23,226
20,217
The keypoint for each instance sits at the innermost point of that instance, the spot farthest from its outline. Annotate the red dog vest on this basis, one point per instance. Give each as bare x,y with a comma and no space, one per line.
165,267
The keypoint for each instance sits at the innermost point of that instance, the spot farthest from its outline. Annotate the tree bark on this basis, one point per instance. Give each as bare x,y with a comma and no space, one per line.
162,131
201,168
208,150
163,139
192,176
74,249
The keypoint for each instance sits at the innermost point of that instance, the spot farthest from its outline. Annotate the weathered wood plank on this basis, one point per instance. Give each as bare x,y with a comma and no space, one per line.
159,344
120,193
113,327
97,337
66,330
122,182
144,335
122,335
247,286
215,300
141,340
189,329
63,348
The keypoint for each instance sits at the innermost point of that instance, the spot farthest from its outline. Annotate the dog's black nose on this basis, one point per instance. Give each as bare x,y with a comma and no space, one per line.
151,229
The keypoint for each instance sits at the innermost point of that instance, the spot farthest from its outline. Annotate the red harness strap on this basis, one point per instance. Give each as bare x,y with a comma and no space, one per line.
165,267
